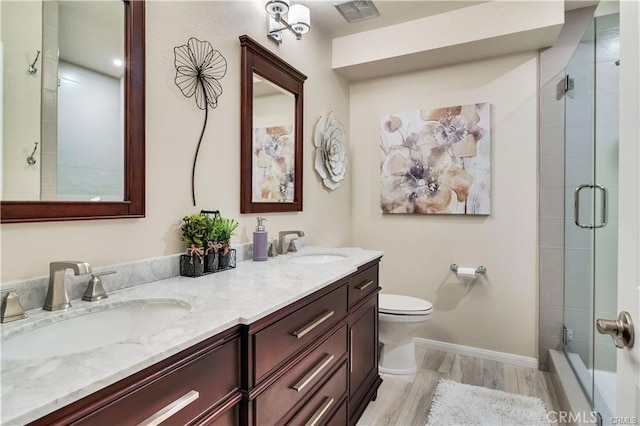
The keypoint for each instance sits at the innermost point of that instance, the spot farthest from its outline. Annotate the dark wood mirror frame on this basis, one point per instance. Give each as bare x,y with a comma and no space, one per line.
257,59
134,165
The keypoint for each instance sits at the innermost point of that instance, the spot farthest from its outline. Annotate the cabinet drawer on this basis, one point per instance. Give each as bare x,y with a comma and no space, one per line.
195,386
295,385
363,283
340,417
230,417
282,339
318,409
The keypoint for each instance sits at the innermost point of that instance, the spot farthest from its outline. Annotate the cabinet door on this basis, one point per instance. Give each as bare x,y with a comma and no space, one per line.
363,359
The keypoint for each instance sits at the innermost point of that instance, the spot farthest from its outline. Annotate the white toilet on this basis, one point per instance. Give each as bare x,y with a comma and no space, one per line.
400,317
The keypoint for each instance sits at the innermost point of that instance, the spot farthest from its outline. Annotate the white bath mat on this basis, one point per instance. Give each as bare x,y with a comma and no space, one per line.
458,404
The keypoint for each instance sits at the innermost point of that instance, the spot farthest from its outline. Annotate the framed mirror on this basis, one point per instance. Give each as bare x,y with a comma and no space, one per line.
86,109
271,132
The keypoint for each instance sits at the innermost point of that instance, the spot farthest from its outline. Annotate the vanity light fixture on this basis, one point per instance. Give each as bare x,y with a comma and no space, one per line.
298,19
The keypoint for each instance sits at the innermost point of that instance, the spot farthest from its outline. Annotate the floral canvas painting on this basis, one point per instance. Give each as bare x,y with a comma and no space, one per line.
437,161
273,164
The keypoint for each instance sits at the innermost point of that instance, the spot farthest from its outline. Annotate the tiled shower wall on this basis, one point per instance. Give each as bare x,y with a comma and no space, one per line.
49,129
90,146
551,219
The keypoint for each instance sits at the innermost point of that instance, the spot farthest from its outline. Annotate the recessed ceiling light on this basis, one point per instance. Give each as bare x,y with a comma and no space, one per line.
117,62
357,10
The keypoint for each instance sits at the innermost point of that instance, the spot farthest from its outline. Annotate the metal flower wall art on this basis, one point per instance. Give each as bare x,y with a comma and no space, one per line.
198,69
436,161
331,153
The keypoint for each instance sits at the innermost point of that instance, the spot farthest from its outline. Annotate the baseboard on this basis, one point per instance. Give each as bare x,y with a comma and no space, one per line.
523,361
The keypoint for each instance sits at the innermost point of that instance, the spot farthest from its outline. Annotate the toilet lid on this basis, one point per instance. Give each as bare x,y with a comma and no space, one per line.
407,305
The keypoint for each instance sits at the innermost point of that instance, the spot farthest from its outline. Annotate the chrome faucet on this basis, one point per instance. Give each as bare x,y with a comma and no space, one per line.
11,309
281,237
57,297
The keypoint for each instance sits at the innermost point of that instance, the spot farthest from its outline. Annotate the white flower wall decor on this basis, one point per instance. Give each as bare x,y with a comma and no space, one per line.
331,153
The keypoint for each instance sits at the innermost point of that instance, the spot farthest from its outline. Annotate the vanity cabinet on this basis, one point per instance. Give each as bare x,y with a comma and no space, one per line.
295,356
200,385
316,361
364,379
311,362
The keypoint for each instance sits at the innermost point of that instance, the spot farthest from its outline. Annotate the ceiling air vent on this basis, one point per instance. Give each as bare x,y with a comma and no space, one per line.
357,10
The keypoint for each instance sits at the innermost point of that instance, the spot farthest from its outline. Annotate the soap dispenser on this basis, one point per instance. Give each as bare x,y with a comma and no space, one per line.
260,241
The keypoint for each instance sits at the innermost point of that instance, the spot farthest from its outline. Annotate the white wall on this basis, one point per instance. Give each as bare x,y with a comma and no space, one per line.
90,139
21,91
173,125
498,312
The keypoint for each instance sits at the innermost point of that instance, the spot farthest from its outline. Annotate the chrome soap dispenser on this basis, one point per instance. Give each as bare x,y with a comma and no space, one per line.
260,241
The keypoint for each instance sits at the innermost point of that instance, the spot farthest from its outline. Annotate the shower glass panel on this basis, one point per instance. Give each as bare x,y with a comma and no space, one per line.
591,217
579,170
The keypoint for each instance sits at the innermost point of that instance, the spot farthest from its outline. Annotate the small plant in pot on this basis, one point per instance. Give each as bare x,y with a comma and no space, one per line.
211,245
194,229
225,228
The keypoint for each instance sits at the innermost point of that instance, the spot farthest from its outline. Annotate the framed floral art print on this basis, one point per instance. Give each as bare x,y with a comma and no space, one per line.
436,161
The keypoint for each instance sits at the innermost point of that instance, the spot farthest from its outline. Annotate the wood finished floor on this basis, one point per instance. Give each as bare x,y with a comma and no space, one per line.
406,400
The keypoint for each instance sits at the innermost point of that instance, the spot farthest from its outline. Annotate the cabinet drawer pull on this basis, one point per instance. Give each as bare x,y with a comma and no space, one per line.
351,350
313,324
171,409
364,285
313,421
313,373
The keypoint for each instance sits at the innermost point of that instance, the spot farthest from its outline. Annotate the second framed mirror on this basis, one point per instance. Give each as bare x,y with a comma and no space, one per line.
271,132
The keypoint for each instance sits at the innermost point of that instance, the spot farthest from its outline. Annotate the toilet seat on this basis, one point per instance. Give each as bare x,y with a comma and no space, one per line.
395,304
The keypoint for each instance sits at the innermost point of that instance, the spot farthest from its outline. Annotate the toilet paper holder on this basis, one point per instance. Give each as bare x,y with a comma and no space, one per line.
479,270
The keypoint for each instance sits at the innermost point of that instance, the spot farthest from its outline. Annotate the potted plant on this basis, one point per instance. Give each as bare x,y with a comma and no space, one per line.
194,228
211,244
225,228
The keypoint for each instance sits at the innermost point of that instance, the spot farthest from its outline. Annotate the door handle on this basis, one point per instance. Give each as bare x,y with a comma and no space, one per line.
576,206
603,206
621,329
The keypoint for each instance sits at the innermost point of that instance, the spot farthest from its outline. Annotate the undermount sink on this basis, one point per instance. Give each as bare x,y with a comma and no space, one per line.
95,329
317,258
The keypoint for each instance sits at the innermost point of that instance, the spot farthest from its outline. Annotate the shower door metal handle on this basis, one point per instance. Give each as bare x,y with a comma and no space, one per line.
603,207
576,206
621,329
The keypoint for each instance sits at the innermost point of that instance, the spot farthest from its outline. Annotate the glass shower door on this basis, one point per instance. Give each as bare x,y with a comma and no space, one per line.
591,194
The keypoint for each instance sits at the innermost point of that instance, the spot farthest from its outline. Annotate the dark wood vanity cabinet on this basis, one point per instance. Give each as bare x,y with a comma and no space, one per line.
200,385
311,362
364,379
316,361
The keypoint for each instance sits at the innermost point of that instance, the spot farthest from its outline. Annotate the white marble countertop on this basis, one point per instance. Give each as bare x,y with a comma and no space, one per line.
32,388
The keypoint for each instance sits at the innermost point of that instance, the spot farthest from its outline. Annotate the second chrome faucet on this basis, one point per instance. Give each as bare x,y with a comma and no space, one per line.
282,240
57,296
